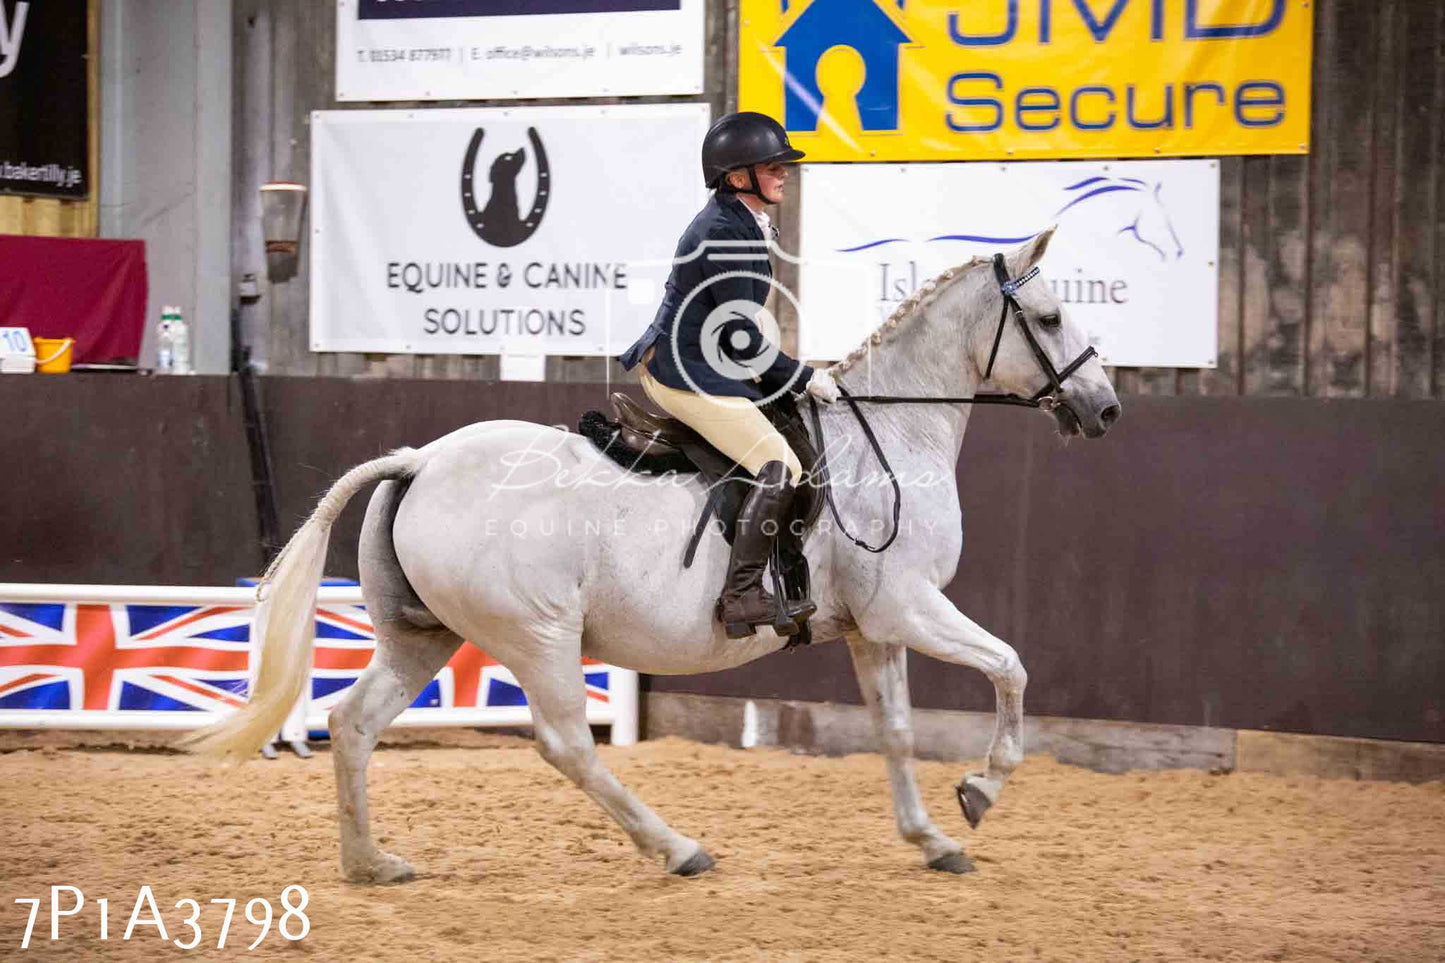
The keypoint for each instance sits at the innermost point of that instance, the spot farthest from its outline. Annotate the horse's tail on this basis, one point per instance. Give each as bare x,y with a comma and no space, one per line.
285,616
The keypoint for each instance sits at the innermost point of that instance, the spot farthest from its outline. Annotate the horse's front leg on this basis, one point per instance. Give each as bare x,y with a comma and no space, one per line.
883,678
922,618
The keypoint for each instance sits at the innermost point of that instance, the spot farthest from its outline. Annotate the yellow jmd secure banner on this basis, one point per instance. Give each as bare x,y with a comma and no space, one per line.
1028,79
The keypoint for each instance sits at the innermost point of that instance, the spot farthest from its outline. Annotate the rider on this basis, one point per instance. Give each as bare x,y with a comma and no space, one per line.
723,364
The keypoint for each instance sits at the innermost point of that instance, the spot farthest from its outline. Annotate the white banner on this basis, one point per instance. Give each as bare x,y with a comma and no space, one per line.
535,230
490,49
1135,258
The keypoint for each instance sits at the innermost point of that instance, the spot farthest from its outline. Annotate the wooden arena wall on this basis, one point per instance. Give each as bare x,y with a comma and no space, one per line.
1330,263
1257,563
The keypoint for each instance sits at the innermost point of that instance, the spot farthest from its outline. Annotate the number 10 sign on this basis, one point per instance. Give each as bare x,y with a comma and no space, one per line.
17,352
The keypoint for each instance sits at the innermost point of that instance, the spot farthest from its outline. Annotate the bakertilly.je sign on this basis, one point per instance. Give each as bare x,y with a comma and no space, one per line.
1026,79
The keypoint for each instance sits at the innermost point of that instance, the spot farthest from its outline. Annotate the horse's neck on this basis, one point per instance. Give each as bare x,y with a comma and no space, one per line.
925,357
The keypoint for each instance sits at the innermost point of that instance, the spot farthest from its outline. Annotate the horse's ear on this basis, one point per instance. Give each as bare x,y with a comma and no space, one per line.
1033,252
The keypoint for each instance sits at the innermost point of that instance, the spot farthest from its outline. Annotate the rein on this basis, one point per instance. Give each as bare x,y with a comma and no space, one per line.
1046,398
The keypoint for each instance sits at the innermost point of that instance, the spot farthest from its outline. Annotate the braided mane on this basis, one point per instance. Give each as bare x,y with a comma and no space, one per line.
911,307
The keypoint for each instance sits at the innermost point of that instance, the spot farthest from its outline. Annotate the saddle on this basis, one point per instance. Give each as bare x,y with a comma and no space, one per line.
652,444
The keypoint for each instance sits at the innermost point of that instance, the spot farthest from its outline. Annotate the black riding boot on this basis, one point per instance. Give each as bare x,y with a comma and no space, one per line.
743,603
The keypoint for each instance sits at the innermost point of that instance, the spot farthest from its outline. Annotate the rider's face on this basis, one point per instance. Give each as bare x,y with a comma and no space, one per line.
772,180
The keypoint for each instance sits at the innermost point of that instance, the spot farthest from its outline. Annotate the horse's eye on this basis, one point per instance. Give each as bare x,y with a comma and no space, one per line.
1049,320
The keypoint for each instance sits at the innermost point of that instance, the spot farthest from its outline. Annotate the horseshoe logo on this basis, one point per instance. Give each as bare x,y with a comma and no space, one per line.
499,223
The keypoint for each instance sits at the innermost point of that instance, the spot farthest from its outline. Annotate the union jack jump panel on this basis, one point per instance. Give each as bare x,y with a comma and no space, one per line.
178,666
123,657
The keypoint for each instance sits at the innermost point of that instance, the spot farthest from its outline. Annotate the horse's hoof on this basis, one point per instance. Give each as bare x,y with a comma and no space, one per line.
698,863
383,870
956,863
973,802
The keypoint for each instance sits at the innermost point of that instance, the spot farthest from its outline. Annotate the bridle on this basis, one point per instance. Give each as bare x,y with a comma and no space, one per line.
1046,398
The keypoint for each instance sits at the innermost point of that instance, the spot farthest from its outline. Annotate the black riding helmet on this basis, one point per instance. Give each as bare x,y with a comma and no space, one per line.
739,141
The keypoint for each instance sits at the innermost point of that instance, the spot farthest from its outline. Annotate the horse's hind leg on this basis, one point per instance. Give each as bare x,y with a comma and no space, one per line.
405,661
883,679
411,648
551,674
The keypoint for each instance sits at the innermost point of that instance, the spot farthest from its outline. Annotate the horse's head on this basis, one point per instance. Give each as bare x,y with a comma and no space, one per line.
1152,227
1087,402
1149,225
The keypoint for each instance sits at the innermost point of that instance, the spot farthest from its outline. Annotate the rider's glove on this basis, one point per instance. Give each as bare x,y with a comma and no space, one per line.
822,386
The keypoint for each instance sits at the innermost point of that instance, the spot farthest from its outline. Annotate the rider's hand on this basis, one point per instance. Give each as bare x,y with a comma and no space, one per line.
822,386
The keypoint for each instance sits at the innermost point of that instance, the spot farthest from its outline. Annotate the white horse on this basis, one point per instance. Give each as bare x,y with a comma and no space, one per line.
443,558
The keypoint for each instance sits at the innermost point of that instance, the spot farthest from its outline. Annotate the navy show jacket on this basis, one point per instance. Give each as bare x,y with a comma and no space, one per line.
728,223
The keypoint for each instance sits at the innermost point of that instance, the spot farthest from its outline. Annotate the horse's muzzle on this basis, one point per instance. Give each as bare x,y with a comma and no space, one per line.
1077,416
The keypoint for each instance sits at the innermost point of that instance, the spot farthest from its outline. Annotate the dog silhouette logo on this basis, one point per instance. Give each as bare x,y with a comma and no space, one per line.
500,222
860,27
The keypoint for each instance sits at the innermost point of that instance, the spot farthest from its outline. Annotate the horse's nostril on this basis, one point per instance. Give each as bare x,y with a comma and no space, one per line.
1109,415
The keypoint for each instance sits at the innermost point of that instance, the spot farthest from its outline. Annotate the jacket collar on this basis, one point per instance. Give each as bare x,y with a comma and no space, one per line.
739,211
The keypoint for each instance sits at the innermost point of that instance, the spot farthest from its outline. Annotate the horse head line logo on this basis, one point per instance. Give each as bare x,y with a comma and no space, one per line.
499,222
1151,226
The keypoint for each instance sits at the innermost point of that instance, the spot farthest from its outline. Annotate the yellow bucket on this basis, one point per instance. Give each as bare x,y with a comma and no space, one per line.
52,355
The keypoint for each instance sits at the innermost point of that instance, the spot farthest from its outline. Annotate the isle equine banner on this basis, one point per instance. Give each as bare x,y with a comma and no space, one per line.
538,230
43,98
1134,259
876,80
484,49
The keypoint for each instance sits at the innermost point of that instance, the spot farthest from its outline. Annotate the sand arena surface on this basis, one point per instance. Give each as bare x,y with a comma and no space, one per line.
517,864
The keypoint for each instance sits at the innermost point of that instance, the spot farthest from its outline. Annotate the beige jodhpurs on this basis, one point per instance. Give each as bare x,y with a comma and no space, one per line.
734,426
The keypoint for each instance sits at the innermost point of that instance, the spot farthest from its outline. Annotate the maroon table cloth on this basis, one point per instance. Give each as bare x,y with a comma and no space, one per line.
88,289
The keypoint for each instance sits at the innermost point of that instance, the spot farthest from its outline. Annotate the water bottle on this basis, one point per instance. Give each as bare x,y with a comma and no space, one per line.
180,343
165,350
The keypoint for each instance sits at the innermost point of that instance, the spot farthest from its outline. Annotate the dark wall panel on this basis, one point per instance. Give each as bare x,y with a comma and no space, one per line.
1251,562
1259,563
121,479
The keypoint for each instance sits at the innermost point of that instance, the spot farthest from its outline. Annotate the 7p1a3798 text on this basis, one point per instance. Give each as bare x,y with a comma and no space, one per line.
68,902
